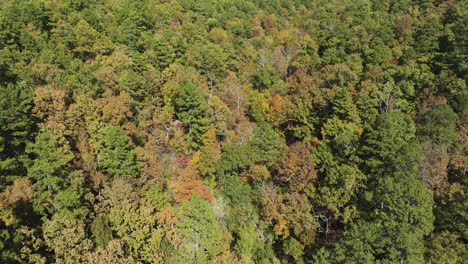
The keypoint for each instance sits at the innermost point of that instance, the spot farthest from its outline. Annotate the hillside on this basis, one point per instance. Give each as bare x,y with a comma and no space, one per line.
220,131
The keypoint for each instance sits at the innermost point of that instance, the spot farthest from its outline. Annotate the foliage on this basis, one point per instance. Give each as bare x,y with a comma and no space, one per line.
217,131
201,237
115,155
191,107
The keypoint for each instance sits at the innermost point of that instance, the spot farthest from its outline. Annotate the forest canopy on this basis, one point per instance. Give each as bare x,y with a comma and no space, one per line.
247,131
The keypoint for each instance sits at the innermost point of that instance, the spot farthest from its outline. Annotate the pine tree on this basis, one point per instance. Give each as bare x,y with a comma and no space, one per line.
16,127
115,154
396,208
49,169
191,107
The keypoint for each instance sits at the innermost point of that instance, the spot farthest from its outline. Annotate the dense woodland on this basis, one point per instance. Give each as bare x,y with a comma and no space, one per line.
220,131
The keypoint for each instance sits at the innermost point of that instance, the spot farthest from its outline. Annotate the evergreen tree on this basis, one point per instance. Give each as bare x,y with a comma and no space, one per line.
396,207
191,107
16,127
268,146
115,154
438,125
48,169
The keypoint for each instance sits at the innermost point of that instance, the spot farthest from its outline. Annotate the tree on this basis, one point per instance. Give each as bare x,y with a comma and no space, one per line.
66,236
397,209
210,60
219,114
265,78
209,154
390,145
274,210
113,253
438,125
14,201
50,106
445,247
85,37
15,211
191,107
111,67
16,127
201,235
186,190
49,168
132,83
115,154
268,145
101,231
255,174
296,169
302,222
340,177
295,249
343,106
433,169
130,221
258,105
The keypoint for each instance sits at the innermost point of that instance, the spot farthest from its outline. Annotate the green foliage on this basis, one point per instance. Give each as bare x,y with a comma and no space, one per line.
209,154
48,169
157,197
67,237
438,125
396,208
101,230
201,235
295,249
258,105
218,131
16,127
191,106
343,106
115,154
446,247
132,83
390,145
267,144
265,79
208,59
166,48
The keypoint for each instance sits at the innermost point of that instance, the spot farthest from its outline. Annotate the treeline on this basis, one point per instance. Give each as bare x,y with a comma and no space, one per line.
219,131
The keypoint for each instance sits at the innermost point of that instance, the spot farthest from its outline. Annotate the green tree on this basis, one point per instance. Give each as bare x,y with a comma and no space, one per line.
390,146
16,127
130,221
265,79
85,37
396,207
340,178
438,125
445,247
101,230
48,169
201,235
268,145
115,154
191,107
210,60
165,48
343,106
209,154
